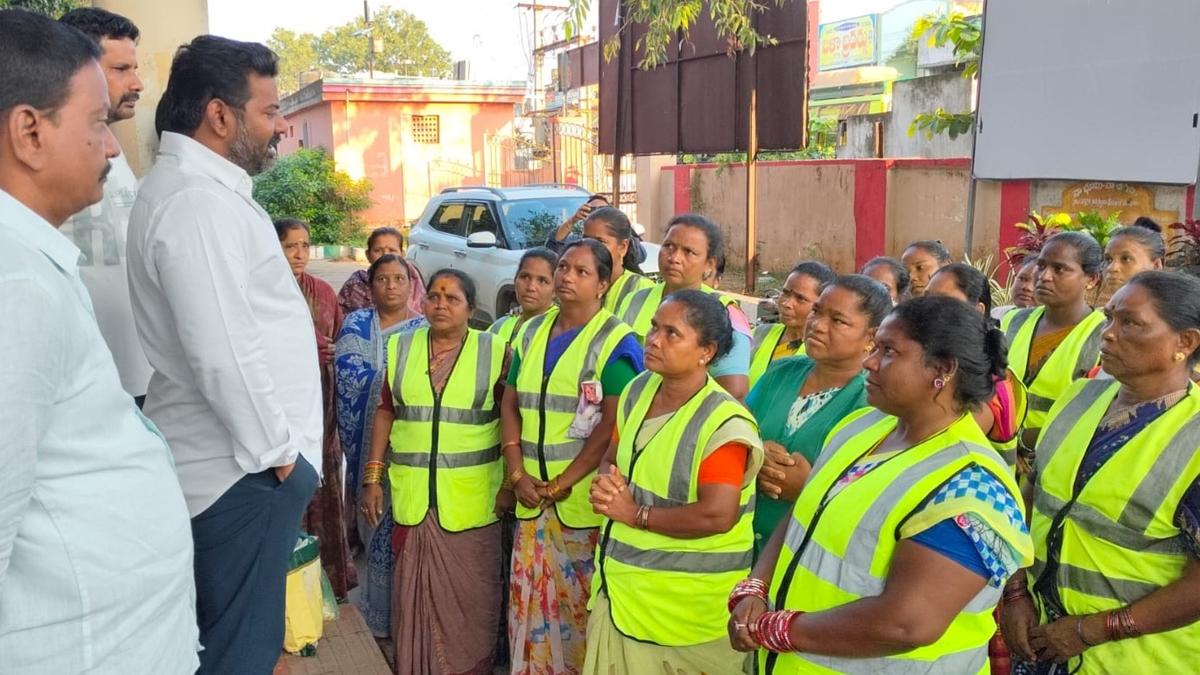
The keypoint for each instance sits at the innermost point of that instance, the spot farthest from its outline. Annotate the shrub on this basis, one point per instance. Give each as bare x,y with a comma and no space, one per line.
307,185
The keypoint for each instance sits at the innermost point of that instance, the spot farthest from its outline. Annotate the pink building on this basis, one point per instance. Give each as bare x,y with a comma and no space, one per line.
410,136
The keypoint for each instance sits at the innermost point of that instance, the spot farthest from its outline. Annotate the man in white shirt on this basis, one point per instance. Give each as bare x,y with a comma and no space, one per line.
99,230
236,387
95,557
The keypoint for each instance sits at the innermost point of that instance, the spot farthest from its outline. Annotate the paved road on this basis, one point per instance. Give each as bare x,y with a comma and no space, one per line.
335,272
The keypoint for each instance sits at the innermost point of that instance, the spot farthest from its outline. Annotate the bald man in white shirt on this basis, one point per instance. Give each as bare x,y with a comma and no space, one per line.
95,557
236,387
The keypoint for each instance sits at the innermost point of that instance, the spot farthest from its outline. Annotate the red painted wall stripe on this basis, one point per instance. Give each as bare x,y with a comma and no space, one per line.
1014,208
683,189
870,210
1189,203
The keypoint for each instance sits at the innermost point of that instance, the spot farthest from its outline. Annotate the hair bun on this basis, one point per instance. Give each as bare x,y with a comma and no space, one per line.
997,349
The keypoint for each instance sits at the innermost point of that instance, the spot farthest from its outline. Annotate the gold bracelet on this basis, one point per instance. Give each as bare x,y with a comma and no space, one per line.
505,446
516,476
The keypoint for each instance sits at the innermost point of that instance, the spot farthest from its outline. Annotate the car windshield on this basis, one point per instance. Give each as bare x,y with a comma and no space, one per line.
527,222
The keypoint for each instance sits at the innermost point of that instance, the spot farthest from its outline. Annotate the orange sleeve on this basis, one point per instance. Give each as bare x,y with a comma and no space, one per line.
726,465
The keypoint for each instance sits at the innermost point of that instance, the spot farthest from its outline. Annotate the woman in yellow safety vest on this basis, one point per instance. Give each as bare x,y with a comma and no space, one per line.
922,259
800,399
611,227
795,302
677,492
909,525
569,366
442,426
1115,586
534,286
1057,342
688,259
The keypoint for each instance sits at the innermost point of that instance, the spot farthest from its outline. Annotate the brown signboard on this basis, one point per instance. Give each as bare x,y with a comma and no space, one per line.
699,100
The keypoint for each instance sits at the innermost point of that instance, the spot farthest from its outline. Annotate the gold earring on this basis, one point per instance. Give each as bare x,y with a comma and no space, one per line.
1179,356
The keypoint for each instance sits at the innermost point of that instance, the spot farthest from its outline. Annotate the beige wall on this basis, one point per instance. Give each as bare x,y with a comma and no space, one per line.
163,30
804,211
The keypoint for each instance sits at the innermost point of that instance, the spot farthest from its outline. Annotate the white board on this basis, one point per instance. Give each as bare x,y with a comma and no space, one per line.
1090,90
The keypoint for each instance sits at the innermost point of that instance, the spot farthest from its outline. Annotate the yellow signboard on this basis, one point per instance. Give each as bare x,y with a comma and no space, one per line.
1104,198
849,43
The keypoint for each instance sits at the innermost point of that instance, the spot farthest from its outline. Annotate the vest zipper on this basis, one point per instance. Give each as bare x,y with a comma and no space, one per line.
786,583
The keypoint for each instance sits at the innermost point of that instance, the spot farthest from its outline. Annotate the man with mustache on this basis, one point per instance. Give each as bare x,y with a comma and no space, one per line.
99,230
236,389
95,557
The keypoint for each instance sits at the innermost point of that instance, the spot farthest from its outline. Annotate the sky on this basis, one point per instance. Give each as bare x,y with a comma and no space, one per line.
493,34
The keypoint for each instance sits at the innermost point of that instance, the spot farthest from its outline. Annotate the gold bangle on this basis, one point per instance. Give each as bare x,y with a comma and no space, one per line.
516,476
505,446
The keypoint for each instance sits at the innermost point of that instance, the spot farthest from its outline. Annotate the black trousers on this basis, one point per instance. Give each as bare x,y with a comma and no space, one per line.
242,544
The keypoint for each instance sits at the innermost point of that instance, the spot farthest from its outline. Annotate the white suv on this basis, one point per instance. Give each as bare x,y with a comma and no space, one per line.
485,231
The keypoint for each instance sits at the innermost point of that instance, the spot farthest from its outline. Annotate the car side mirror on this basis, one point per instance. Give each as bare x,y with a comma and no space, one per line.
481,240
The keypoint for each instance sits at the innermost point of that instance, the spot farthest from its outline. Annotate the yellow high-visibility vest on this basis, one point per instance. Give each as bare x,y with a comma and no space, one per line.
766,340
624,286
445,447
662,589
839,549
638,308
1118,537
1071,360
547,404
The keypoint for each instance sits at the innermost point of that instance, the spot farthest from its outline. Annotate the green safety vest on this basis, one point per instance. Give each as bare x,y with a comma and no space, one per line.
1120,539
1071,360
663,589
625,285
638,309
445,447
548,403
838,550
766,340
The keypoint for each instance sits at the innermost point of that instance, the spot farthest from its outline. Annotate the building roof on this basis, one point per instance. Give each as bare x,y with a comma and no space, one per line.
402,89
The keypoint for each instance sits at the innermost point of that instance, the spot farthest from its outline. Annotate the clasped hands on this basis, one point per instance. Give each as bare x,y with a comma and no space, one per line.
610,497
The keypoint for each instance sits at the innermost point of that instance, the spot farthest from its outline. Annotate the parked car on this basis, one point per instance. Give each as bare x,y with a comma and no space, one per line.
484,231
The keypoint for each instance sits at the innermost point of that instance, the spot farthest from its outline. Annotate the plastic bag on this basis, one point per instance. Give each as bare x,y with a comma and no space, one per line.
329,605
306,588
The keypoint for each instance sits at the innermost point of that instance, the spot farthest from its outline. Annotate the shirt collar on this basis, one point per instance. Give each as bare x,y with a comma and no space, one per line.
20,221
197,157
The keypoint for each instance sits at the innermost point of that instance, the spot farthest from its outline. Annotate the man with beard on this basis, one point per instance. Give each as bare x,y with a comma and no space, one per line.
235,388
95,558
99,230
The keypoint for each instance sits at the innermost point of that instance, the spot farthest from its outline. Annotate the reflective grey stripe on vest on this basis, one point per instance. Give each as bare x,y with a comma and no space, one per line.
1094,583
403,346
644,497
1102,527
1038,403
1009,455
1019,320
633,392
483,368
448,460
499,325
761,333
553,452
1056,431
592,357
1148,497
965,662
424,413
626,289
554,402
635,305
678,561
531,328
681,470
1089,353
858,426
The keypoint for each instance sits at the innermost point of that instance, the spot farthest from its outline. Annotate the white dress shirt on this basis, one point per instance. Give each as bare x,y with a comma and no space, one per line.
95,545
99,231
236,387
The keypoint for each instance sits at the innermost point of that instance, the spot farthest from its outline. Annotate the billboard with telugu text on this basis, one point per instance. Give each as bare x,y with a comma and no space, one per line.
848,43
